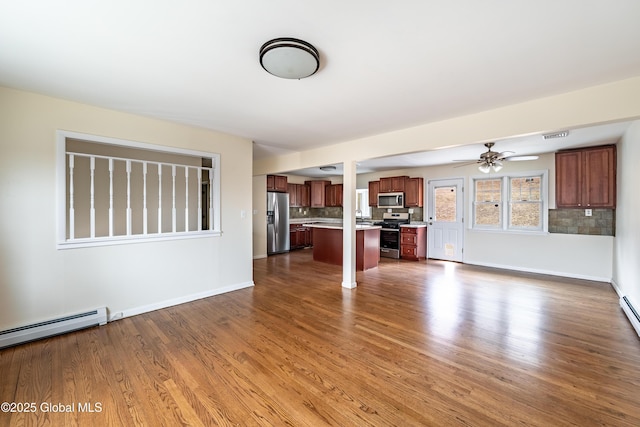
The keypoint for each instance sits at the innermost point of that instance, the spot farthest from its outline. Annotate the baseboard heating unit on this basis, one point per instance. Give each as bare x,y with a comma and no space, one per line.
52,327
631,313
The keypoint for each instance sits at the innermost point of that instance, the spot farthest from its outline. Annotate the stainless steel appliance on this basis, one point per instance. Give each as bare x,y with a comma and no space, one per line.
391,200
277,223
390,233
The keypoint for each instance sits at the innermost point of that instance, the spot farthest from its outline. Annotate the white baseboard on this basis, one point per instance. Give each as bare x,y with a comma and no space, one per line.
616,288
260,256
539,271
176,301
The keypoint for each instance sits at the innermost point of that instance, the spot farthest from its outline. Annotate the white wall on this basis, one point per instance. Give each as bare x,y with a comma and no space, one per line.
38,282
626,259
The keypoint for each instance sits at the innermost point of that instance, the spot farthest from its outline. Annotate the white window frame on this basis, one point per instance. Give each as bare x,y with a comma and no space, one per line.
61,189
362,204
505,202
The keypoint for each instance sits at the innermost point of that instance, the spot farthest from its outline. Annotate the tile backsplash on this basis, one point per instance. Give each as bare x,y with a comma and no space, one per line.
336,212
563,221
574,221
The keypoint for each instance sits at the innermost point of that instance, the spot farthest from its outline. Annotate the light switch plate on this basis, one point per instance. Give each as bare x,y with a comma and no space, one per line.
588,212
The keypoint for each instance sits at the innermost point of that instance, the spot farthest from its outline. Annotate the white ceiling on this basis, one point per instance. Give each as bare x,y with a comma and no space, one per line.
384,65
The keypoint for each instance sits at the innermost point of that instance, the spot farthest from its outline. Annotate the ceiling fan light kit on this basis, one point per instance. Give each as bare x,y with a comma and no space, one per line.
289,58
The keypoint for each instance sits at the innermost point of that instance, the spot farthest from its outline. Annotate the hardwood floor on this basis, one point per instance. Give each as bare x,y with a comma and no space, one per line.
414,344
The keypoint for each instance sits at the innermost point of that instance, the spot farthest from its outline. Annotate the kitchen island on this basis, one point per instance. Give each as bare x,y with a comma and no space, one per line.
327,244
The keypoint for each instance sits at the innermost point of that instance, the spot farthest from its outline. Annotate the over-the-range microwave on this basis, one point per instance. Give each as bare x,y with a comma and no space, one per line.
391,200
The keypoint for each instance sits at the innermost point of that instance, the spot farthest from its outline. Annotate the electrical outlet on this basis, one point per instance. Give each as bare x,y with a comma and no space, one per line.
410,211
588,212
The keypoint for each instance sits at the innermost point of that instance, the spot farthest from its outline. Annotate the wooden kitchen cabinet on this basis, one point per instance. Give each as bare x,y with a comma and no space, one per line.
277,183
304,196
317,193
392,184
308,237
414,192
293,236
413,243
333,195
586,178
374,189
298,195
292,189
300,236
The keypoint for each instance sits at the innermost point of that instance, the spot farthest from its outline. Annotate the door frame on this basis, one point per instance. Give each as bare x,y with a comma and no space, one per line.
460,212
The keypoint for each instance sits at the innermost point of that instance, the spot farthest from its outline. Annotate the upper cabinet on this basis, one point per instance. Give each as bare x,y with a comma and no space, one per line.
413,192
392,184
317,193
277,183
586,178
333,195
413,189
298,195
374,189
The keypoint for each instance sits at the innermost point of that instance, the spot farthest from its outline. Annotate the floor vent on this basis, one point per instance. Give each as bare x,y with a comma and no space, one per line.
49,328
631,313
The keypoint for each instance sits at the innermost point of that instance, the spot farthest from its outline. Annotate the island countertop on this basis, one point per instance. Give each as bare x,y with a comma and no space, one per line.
339,225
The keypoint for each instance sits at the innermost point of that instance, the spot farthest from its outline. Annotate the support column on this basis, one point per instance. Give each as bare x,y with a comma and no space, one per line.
349,225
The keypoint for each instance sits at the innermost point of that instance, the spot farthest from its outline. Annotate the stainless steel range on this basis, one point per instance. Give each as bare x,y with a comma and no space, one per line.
390,233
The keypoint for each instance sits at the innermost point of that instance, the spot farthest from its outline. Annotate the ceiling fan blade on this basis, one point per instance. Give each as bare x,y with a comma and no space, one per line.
504,154
467,163
520,158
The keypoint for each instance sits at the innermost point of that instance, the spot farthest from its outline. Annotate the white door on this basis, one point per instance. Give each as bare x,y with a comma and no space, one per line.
445,232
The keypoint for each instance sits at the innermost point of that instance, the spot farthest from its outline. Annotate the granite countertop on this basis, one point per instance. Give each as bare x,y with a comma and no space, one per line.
312,220
338,225
415,224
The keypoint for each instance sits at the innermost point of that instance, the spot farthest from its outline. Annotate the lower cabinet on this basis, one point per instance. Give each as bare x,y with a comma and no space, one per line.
300,236
413,243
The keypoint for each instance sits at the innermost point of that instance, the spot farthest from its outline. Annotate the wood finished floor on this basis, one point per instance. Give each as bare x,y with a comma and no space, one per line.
423,344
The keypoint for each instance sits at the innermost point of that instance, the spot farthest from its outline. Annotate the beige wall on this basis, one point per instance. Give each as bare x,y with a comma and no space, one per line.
599,104
38,282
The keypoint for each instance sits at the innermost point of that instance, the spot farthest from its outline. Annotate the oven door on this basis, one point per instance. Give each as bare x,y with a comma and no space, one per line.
390,243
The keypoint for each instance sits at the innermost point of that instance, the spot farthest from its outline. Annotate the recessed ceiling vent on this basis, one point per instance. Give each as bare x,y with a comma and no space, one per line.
562,134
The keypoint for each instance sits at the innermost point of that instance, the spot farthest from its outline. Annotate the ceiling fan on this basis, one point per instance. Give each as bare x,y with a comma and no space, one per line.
493,160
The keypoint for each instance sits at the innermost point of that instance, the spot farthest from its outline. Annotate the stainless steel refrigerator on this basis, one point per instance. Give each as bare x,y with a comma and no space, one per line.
277,223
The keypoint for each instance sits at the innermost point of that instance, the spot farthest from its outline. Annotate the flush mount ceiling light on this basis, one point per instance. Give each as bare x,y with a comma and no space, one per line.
289,58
